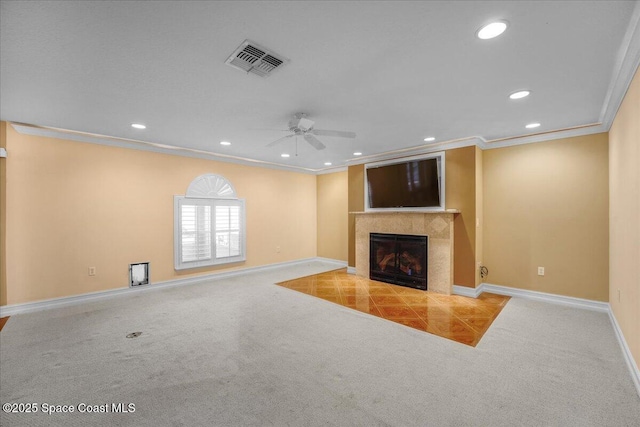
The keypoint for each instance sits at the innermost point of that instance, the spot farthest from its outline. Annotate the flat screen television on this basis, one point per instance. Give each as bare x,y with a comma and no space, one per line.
410,184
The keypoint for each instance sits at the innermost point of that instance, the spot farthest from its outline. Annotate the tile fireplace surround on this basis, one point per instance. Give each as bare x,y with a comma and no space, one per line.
437,225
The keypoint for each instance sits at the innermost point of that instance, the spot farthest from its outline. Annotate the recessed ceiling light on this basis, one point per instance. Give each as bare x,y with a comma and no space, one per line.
225,143
520,94
492,30
327,163
532,125
285,155
429,139
357,153
138,126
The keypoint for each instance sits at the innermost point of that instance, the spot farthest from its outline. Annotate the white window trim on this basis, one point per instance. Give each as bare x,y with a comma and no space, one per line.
207,190
177,232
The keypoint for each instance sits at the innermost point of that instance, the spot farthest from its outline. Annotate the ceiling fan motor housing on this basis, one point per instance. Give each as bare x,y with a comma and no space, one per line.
301,124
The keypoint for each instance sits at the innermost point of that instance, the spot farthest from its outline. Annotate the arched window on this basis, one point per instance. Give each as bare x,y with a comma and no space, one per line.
209,224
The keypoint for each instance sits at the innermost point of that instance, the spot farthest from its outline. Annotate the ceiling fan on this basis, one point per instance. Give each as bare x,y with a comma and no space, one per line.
300,125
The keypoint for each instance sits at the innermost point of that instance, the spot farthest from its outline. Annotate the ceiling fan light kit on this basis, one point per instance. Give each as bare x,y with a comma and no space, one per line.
300,125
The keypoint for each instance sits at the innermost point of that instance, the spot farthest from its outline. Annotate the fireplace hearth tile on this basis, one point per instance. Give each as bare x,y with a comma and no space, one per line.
397,312
469,311
331,298
479,324
454,317
387,299
419,324
381,290
410,292
439,313
371,309
417,300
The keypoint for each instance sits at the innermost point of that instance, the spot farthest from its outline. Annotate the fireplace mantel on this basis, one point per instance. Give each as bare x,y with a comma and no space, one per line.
448,211
438,225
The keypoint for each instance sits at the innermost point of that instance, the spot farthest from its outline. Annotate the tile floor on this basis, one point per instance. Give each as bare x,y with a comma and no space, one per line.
455,317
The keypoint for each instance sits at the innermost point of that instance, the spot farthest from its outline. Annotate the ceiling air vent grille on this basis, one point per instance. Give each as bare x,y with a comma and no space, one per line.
252,58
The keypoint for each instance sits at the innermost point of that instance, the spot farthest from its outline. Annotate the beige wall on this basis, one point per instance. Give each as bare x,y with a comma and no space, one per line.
3,224
356,204
333,215
546,204
479,215
460,181
624,211
73,205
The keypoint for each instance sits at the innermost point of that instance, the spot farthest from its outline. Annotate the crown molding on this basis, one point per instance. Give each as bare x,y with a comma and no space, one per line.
587,129
418,150
478,141
627,62
331,170
134,144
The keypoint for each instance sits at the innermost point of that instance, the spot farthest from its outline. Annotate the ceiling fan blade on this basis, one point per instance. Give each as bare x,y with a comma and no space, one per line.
279,140
338,133
315,142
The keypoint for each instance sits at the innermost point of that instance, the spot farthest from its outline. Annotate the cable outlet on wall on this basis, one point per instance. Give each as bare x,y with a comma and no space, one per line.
540,271
92,271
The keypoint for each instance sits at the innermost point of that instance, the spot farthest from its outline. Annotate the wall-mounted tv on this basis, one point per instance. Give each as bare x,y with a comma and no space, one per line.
414,183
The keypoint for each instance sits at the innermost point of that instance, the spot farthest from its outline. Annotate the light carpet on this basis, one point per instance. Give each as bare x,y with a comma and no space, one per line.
243,351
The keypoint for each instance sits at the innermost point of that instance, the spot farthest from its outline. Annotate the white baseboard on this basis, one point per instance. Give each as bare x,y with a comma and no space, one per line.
351,270
466,291
545,297
562,300
628,357
29,307
337,262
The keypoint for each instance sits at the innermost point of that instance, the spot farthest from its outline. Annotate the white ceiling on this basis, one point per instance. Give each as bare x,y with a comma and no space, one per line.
393,72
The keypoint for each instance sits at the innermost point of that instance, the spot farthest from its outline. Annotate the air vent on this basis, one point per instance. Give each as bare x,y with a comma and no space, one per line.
253,58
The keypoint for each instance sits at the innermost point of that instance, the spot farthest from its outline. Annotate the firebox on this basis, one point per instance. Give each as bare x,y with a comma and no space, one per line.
399,259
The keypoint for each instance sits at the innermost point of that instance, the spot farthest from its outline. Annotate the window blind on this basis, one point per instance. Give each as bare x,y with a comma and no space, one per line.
227,231
196,233
208,232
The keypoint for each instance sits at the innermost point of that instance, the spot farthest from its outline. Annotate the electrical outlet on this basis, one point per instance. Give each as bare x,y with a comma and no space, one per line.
540,271
92,271
277,249
618,295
